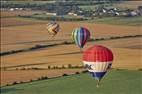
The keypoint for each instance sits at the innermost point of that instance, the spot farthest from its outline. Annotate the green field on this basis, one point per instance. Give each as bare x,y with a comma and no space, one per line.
115,82
54,18
130,21
93,7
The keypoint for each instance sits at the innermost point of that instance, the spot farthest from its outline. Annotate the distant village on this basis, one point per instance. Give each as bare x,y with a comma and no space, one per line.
75,10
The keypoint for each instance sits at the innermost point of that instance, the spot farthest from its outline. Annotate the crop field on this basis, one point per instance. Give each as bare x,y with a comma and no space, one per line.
123,49
130,21
14,21
133,4
8,77
116,81
129,4
9,14
21,33
49,56
34,32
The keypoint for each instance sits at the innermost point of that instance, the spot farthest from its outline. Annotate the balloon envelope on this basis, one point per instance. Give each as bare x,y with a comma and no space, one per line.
80,36
53,28
98,59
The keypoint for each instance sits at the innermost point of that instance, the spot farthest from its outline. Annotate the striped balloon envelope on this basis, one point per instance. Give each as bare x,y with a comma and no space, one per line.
80,36
98,59
53,28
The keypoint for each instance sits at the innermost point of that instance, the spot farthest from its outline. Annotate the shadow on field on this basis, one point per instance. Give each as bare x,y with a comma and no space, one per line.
66,53
24,65
37,41
6,90
134,47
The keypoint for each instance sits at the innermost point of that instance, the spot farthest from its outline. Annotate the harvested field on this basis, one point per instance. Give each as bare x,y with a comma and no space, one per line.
130,43
6,14
20,37
17,33
49,56
131,4
5,22
8,77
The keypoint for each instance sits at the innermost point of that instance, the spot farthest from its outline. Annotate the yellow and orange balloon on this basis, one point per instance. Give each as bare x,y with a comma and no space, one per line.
53,28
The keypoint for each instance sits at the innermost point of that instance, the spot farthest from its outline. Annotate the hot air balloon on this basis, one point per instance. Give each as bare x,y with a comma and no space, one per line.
53,28
80,36
98,60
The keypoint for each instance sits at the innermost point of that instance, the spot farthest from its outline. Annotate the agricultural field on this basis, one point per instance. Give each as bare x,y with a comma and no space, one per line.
116,81
124,49
22,33
121,5
11,18
10,14
7,22
130,21
8,77
129,4
34,32
119,20
48,56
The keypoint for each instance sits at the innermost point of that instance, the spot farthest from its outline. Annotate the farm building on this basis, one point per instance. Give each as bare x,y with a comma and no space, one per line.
49,13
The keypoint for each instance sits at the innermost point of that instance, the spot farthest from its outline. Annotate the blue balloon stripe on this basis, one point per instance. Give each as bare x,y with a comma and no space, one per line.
82,36
98,75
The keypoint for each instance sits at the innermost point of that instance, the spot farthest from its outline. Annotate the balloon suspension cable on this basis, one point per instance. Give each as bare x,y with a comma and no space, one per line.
81,50
98,83
52,36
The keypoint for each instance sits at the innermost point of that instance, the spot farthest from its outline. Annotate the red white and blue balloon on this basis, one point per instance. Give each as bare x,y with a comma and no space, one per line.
98,59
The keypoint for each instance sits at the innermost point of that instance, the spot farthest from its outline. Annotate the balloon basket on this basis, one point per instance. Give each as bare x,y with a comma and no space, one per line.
98,84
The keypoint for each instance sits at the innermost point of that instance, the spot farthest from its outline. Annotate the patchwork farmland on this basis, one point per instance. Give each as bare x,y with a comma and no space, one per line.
21,33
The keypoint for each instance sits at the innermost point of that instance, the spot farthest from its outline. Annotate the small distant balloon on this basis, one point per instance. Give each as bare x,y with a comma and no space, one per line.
53,28
98,60
80,36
